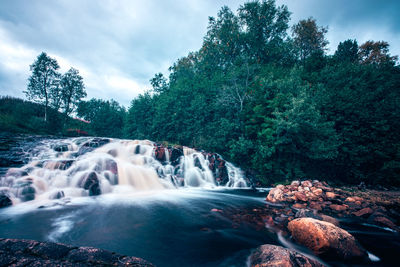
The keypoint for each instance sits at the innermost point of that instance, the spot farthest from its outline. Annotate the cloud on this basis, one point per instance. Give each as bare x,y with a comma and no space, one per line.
118,46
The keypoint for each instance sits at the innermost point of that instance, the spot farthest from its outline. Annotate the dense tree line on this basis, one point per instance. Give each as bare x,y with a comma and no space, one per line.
268,97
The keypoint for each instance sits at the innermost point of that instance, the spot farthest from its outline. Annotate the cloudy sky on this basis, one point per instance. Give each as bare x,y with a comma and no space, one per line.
118,45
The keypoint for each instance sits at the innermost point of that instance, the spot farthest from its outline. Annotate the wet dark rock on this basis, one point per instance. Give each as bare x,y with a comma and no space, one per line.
60,147
92,145
175,155
222,172
137,149
197,163
5,201
159,152
27,192
33,253
57,195
91,182
271,255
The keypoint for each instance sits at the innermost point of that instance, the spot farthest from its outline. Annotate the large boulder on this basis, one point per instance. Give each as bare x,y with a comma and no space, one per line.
17,252
90,182
270,255
5,201
175,155
325,239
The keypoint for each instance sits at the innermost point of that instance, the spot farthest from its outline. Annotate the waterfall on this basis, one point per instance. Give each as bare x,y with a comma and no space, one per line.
78,167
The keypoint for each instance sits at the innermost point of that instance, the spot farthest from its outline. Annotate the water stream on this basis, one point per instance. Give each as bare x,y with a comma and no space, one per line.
170,206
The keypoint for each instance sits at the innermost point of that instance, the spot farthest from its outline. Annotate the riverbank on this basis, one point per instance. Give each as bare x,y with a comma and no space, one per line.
311,214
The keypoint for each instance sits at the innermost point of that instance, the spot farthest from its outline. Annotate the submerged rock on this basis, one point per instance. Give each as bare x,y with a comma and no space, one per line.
325,239
270,255
33,253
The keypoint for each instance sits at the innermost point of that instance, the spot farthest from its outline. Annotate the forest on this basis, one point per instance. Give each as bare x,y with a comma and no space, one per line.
266,96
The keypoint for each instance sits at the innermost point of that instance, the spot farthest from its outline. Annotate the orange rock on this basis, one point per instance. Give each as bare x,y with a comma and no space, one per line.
299,206
300,196
306,183
338,207
317,192
324,238
330,219
363,212
385,222
330,195
275,195
316,206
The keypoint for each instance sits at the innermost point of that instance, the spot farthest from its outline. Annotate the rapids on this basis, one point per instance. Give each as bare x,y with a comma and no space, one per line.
62,169
173,206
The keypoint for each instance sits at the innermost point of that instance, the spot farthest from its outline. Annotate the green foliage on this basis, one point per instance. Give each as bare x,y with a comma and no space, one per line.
246,95
106,117
72,90
43,81
19,116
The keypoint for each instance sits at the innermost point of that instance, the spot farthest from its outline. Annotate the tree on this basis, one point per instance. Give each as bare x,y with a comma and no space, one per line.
309,38
159,83
376,53
347,51
265,28
106,117
72,90
43,81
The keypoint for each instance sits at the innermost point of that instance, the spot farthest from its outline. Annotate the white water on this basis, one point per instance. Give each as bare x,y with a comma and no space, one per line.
119,167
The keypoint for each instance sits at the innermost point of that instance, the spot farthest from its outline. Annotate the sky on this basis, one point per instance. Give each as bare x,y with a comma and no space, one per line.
118,45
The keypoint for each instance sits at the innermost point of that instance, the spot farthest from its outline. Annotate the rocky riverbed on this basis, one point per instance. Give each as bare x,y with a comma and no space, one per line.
310,214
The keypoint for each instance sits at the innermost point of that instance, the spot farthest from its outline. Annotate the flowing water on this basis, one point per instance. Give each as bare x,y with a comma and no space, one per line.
172,207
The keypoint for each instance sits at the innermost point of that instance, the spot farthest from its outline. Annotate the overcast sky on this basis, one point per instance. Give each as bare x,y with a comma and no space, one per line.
119,45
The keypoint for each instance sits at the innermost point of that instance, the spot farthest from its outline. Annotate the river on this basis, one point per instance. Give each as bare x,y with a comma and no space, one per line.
142,201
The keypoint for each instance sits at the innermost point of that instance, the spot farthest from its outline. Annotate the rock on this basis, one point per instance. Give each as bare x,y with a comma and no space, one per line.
330,195
92,145
299,206
60,147
175,155
316,206
330,219
271,255
317,192
363,212
300,196
90,182
222,172
306,183
325,239
304,213
5,201
33,253
354,199
57,195
159,153
274,195
338,207
384,221
295,183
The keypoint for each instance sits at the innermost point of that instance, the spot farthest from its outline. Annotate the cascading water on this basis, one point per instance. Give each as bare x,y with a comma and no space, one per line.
76,167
